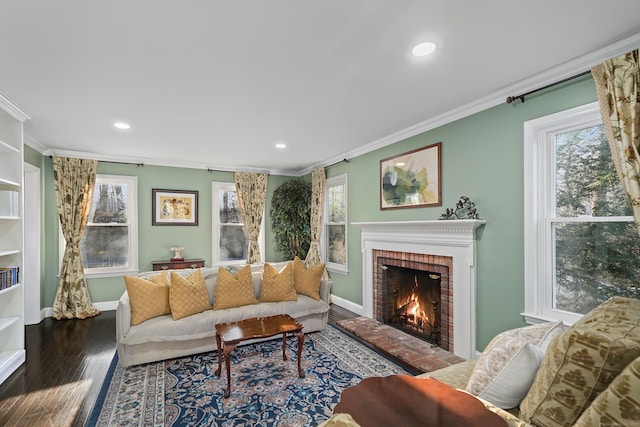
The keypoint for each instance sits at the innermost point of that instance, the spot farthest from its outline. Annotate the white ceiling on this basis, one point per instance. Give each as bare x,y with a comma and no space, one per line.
215,84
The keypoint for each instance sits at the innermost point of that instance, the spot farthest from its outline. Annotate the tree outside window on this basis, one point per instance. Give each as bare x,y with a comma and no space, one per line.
581,243
109,244
336,224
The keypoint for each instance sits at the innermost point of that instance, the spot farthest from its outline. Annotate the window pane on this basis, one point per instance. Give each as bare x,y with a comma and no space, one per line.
336,204
233,243
229,208
586,180
337,252
109,204
593,262
103,247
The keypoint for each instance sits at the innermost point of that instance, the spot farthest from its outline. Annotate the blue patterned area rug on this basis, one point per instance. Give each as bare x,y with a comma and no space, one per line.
265,390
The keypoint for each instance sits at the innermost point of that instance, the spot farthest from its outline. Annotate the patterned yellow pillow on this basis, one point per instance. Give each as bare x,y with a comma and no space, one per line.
307,280
582,361
278,286
149,298
234,290
619,404
188,295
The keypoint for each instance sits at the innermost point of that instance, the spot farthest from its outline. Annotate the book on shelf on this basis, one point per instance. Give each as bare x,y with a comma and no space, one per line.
9,203
9,276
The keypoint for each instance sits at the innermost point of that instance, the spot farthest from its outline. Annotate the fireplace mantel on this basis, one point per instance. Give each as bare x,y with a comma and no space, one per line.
452,238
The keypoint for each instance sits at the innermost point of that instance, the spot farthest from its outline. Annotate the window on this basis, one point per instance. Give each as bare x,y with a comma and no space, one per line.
110,241
230,242
581,243
335,232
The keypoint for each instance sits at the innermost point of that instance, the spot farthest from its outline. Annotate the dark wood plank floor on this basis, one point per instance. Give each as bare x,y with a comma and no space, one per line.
67,361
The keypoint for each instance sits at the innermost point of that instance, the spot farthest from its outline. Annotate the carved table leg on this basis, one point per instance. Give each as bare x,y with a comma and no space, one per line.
284,346
300,336
228,348
217,373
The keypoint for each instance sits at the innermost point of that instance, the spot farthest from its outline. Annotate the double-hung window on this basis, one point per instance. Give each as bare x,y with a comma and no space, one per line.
109,244
335,232
230,241
581,243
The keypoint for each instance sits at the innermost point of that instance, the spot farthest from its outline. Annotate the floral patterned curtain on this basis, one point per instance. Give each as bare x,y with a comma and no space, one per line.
618,87
251,189
317,205
74,180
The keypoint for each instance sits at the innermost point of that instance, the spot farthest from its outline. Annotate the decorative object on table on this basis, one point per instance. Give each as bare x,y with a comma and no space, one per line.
177,256
465,209
174,207
411,179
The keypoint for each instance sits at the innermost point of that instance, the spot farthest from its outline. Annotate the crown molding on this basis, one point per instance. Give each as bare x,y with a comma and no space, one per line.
12,108
560,72
550,76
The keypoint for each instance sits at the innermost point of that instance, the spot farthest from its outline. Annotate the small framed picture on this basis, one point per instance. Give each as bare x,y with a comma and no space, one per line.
174,207
411,179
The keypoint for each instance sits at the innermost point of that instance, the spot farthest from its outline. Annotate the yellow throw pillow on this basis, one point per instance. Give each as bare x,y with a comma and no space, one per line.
149,298
307,280
582,361
188,295
278,286
618,405
234,290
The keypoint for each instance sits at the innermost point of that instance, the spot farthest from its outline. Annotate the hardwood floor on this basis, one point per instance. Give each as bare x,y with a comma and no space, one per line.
67,361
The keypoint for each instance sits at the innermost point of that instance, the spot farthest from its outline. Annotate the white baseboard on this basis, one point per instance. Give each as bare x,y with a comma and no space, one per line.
348,305
101,306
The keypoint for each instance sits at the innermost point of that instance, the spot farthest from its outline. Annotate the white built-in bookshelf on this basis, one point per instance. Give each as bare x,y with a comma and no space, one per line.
12,351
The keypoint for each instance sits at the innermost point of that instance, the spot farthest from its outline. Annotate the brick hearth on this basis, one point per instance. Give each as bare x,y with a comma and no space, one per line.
421,355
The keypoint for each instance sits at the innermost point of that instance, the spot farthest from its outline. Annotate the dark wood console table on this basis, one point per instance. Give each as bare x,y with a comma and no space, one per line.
177,265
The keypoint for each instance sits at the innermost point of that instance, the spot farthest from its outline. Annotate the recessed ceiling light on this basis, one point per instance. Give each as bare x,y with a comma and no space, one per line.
122,125
423,49
281,145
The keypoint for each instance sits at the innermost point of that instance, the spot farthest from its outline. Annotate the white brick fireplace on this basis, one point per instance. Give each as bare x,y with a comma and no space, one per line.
439,239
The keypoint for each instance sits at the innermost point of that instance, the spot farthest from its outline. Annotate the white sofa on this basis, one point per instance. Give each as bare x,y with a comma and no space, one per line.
164,338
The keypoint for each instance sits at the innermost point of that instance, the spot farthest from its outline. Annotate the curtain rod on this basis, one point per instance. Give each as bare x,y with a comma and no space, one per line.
510,99
337,163
116,163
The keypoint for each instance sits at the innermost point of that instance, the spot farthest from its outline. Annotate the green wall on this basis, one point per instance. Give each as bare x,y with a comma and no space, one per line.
482,157
153,241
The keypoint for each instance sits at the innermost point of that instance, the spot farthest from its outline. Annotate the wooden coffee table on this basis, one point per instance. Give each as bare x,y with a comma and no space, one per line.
404,400
228,335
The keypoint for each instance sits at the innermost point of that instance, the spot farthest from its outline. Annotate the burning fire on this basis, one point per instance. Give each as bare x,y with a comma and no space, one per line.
415,315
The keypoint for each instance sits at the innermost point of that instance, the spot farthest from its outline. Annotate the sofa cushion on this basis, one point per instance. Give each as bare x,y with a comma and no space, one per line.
201,325
508,365
582,361
307,280
234,290
149,298
277,285
619,404
188,295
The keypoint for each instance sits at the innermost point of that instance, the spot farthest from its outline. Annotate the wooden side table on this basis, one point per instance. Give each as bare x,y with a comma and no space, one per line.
228,335
177,265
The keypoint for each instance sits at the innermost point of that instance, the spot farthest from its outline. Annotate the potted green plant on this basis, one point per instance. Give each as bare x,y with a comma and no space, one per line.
291,218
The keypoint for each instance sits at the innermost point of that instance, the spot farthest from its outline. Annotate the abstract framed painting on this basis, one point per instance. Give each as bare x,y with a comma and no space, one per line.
411,179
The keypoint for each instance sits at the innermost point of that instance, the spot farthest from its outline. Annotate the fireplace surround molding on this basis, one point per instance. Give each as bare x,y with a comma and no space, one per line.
448,238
